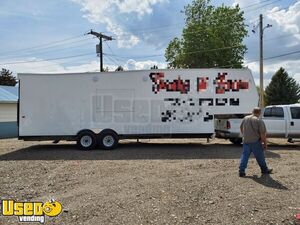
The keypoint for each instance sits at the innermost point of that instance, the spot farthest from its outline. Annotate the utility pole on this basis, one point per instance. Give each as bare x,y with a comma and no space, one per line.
99,48
261,62
261,58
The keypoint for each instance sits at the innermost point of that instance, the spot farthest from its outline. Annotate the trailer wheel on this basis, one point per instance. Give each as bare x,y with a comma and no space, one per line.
236,141
86,140
108,139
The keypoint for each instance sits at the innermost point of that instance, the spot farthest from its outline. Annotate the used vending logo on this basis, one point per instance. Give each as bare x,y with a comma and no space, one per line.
31,211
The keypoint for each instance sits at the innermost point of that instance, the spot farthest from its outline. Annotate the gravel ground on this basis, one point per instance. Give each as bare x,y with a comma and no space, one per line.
153,182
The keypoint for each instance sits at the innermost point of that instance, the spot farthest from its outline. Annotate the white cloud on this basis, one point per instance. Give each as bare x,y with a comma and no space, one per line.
241,3
36,67
124,39
251,9
278,39
290,66
49,67
143,65
92,66
140,7
287,19
106,12
283,37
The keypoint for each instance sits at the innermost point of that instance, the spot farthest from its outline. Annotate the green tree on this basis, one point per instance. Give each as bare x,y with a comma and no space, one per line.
119,68
212,37
7,79
282,89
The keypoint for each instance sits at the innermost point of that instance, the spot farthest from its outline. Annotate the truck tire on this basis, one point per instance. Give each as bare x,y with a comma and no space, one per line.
86,140
108,140
236,141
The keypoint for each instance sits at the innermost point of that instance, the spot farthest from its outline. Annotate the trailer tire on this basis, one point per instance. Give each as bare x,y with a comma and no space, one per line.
236,141
108,139
86,140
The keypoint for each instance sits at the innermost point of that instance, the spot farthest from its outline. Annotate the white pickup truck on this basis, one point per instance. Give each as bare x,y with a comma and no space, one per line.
282,121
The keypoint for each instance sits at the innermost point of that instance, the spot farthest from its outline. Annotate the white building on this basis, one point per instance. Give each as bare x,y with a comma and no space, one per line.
8,111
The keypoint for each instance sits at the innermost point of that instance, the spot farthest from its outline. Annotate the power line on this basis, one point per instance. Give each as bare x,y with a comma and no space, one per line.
145,29
282,55
45,44
39,52
60,49
119,61
42,60
123,37
142,30
258,3
112,61
259,7
182,23
185,53
158,28
56,64
267,58
281,37
80,55
55,43
99,48
190,32
196,32
175,26
134,57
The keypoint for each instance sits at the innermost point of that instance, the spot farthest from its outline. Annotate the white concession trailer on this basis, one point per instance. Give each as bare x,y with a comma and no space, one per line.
101,108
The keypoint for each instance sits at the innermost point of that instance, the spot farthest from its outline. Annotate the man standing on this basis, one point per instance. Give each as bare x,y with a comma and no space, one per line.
254,140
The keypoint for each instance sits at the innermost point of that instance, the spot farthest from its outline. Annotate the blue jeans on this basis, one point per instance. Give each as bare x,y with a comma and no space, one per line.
257,149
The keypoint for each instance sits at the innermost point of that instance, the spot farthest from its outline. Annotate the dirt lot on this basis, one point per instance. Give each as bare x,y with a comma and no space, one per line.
153,182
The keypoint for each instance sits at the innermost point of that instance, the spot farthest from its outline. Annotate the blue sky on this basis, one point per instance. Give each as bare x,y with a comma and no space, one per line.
34,31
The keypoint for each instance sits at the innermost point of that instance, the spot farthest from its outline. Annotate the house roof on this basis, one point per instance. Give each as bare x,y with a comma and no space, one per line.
9,94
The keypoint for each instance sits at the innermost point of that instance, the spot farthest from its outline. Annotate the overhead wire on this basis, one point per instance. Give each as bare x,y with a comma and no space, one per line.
16,56
281,36
48,45
112,60
117,63
182,23
270,39
255,4
56,64
262,6
63,41
164,27
114,63
193,52
43,45
42,60
266,58
123,37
